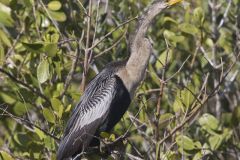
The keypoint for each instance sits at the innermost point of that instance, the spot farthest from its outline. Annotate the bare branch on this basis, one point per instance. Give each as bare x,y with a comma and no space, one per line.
109,33
27,124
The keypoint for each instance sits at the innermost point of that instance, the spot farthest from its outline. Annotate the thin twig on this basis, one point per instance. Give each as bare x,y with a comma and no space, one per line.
14,43
148,91
50,17
86,54
112,46
33,90
178,71
21,121
109,33
225,14
73,68
95,30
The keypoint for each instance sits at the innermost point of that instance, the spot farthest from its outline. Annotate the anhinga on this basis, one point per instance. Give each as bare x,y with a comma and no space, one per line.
109,94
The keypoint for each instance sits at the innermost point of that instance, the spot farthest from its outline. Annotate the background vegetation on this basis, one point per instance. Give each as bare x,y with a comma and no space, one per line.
188,107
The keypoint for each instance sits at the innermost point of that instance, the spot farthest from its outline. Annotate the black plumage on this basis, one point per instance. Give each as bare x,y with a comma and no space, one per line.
105,91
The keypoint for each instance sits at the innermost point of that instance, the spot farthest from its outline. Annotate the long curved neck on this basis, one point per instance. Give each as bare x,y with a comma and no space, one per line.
144,22
140,48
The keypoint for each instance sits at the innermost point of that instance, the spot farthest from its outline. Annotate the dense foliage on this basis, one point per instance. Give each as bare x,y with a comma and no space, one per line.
188,107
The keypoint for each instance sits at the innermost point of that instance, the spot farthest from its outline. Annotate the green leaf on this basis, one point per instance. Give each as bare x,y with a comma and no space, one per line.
7,98
104,135
169,19
236,116
22,139
209,122
51,49
198,15
215,141
227,134
172,38
165,119
2,55
34,47
40,133
57,106
177,105
184,99
187,96
157,149
5,155
43,71
112,137
197,156
162,61
5,15
153,75
54,5
225,40
189,28
4,38
58,16
68,108
49,143
20,108
185,142
48,115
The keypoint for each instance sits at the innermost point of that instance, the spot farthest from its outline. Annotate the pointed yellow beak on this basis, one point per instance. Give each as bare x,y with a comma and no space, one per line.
172,2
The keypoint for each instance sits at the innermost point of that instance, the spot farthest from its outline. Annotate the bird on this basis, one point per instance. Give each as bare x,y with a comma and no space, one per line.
109,94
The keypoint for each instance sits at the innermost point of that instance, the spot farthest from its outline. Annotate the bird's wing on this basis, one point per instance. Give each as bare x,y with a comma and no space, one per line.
89,114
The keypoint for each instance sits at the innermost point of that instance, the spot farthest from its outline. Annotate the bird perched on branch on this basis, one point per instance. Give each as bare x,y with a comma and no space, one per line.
109,94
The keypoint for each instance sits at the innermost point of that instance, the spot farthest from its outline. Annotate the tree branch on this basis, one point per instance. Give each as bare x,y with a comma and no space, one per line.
33,90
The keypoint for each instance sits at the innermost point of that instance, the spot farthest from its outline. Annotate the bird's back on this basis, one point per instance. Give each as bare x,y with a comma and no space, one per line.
101,106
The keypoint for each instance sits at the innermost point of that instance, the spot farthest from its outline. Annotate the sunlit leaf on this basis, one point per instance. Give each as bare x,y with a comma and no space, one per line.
209,122
54,5
177,105
40,133
215,141
2,55
43,71
49,143
51,49
5,15
188,28
198,14
187,95
58,16
68,108
4,38
198,156
164,58
104,135
57,106
112,137
48,115
20,108
5,155
185,142
7,98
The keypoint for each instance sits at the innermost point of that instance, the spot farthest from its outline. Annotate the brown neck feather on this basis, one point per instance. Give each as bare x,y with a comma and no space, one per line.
140,48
